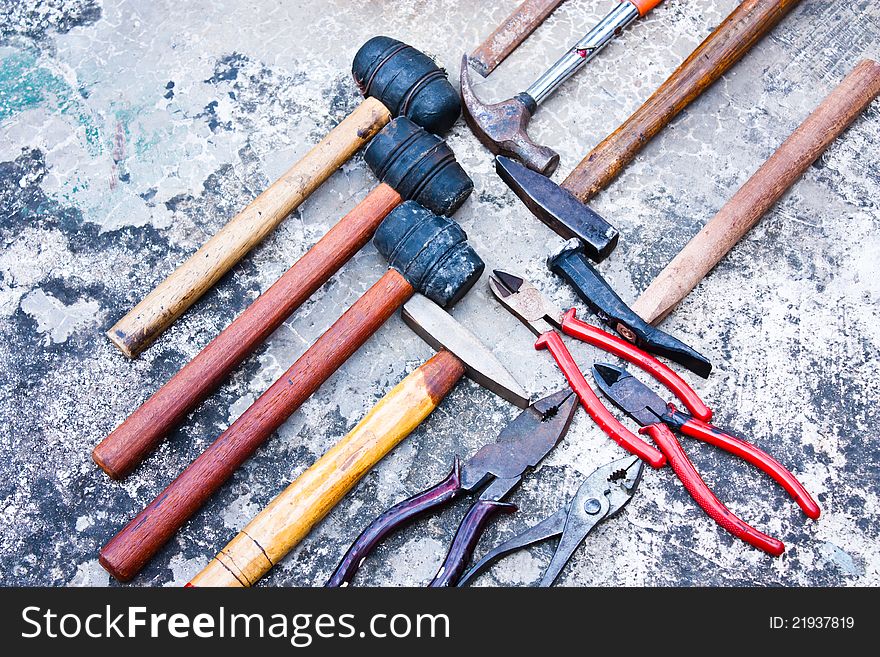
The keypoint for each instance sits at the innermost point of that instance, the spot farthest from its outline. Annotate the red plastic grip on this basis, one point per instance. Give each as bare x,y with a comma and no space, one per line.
552,341
595,336
704,497
757,457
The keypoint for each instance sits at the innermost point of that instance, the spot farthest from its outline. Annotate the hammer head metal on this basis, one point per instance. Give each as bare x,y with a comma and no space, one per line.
559,209
502,127
438,328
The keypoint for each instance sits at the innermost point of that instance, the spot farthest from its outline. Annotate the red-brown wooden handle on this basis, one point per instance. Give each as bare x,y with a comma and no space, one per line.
727,44
131,442
140,539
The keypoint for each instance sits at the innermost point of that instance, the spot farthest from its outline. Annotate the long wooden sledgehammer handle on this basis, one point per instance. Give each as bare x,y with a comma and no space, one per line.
727,44
839,109
143,324
279,527
141,538
131,442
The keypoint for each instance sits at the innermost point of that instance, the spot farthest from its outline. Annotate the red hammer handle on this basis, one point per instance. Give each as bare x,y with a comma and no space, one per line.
141,538
712,59
131,442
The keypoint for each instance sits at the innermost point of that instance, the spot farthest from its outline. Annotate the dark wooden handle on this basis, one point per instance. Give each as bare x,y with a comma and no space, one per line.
131,442
713,58
138,541
758,194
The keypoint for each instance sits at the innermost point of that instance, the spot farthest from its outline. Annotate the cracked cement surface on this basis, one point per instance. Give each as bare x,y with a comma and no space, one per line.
130,132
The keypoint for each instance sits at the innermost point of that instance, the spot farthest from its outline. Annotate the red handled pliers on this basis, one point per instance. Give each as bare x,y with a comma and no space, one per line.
659,419
528,304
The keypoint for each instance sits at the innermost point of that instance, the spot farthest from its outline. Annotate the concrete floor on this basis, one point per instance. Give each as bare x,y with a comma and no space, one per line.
130,131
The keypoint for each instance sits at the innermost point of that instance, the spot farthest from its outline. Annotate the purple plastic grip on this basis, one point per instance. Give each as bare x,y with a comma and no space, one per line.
466,539
397,515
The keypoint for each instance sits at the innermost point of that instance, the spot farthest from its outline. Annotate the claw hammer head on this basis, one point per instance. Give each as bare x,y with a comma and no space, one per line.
502,127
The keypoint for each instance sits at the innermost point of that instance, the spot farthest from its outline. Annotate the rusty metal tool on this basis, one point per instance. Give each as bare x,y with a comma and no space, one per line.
659,420
507,37
503,127
601,496
571,264
492,473
289,518
562,207
426,253
525,301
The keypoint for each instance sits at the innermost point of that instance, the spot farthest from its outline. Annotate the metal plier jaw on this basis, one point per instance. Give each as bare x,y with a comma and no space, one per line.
600,497
495,470
527,303
661,421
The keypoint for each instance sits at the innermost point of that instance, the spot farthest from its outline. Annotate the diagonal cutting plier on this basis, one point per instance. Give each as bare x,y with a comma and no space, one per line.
659,420
527,303
600,497
493,472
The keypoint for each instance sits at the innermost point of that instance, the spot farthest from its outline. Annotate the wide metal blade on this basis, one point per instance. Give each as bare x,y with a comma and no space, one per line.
522,444
629,394
438,328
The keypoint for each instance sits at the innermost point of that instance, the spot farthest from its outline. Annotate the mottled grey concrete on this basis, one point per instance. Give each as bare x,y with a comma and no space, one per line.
130,131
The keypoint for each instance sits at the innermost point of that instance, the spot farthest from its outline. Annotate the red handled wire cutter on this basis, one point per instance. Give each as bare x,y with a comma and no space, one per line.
527,303
659,419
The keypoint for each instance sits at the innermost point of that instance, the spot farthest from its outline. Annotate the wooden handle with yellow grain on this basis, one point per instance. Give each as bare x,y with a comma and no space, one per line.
290,517
173,296
758,194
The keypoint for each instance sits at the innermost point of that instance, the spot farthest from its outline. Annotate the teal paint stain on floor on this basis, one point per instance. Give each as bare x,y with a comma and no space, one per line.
26,84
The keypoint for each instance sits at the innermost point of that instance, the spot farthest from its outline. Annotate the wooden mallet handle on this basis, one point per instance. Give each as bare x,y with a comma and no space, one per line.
417,163
279,527
727,44
839,109
143,324
130,443
434,257
138,541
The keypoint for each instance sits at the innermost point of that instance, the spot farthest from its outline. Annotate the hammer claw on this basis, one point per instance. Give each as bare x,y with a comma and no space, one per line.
502,127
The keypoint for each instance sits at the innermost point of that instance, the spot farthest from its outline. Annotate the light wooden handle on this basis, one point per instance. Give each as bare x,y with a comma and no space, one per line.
143,324
839,109
290,516
727,44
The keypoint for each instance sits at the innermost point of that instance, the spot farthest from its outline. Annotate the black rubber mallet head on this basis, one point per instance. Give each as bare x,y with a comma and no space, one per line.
431,252
419,166
407,82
